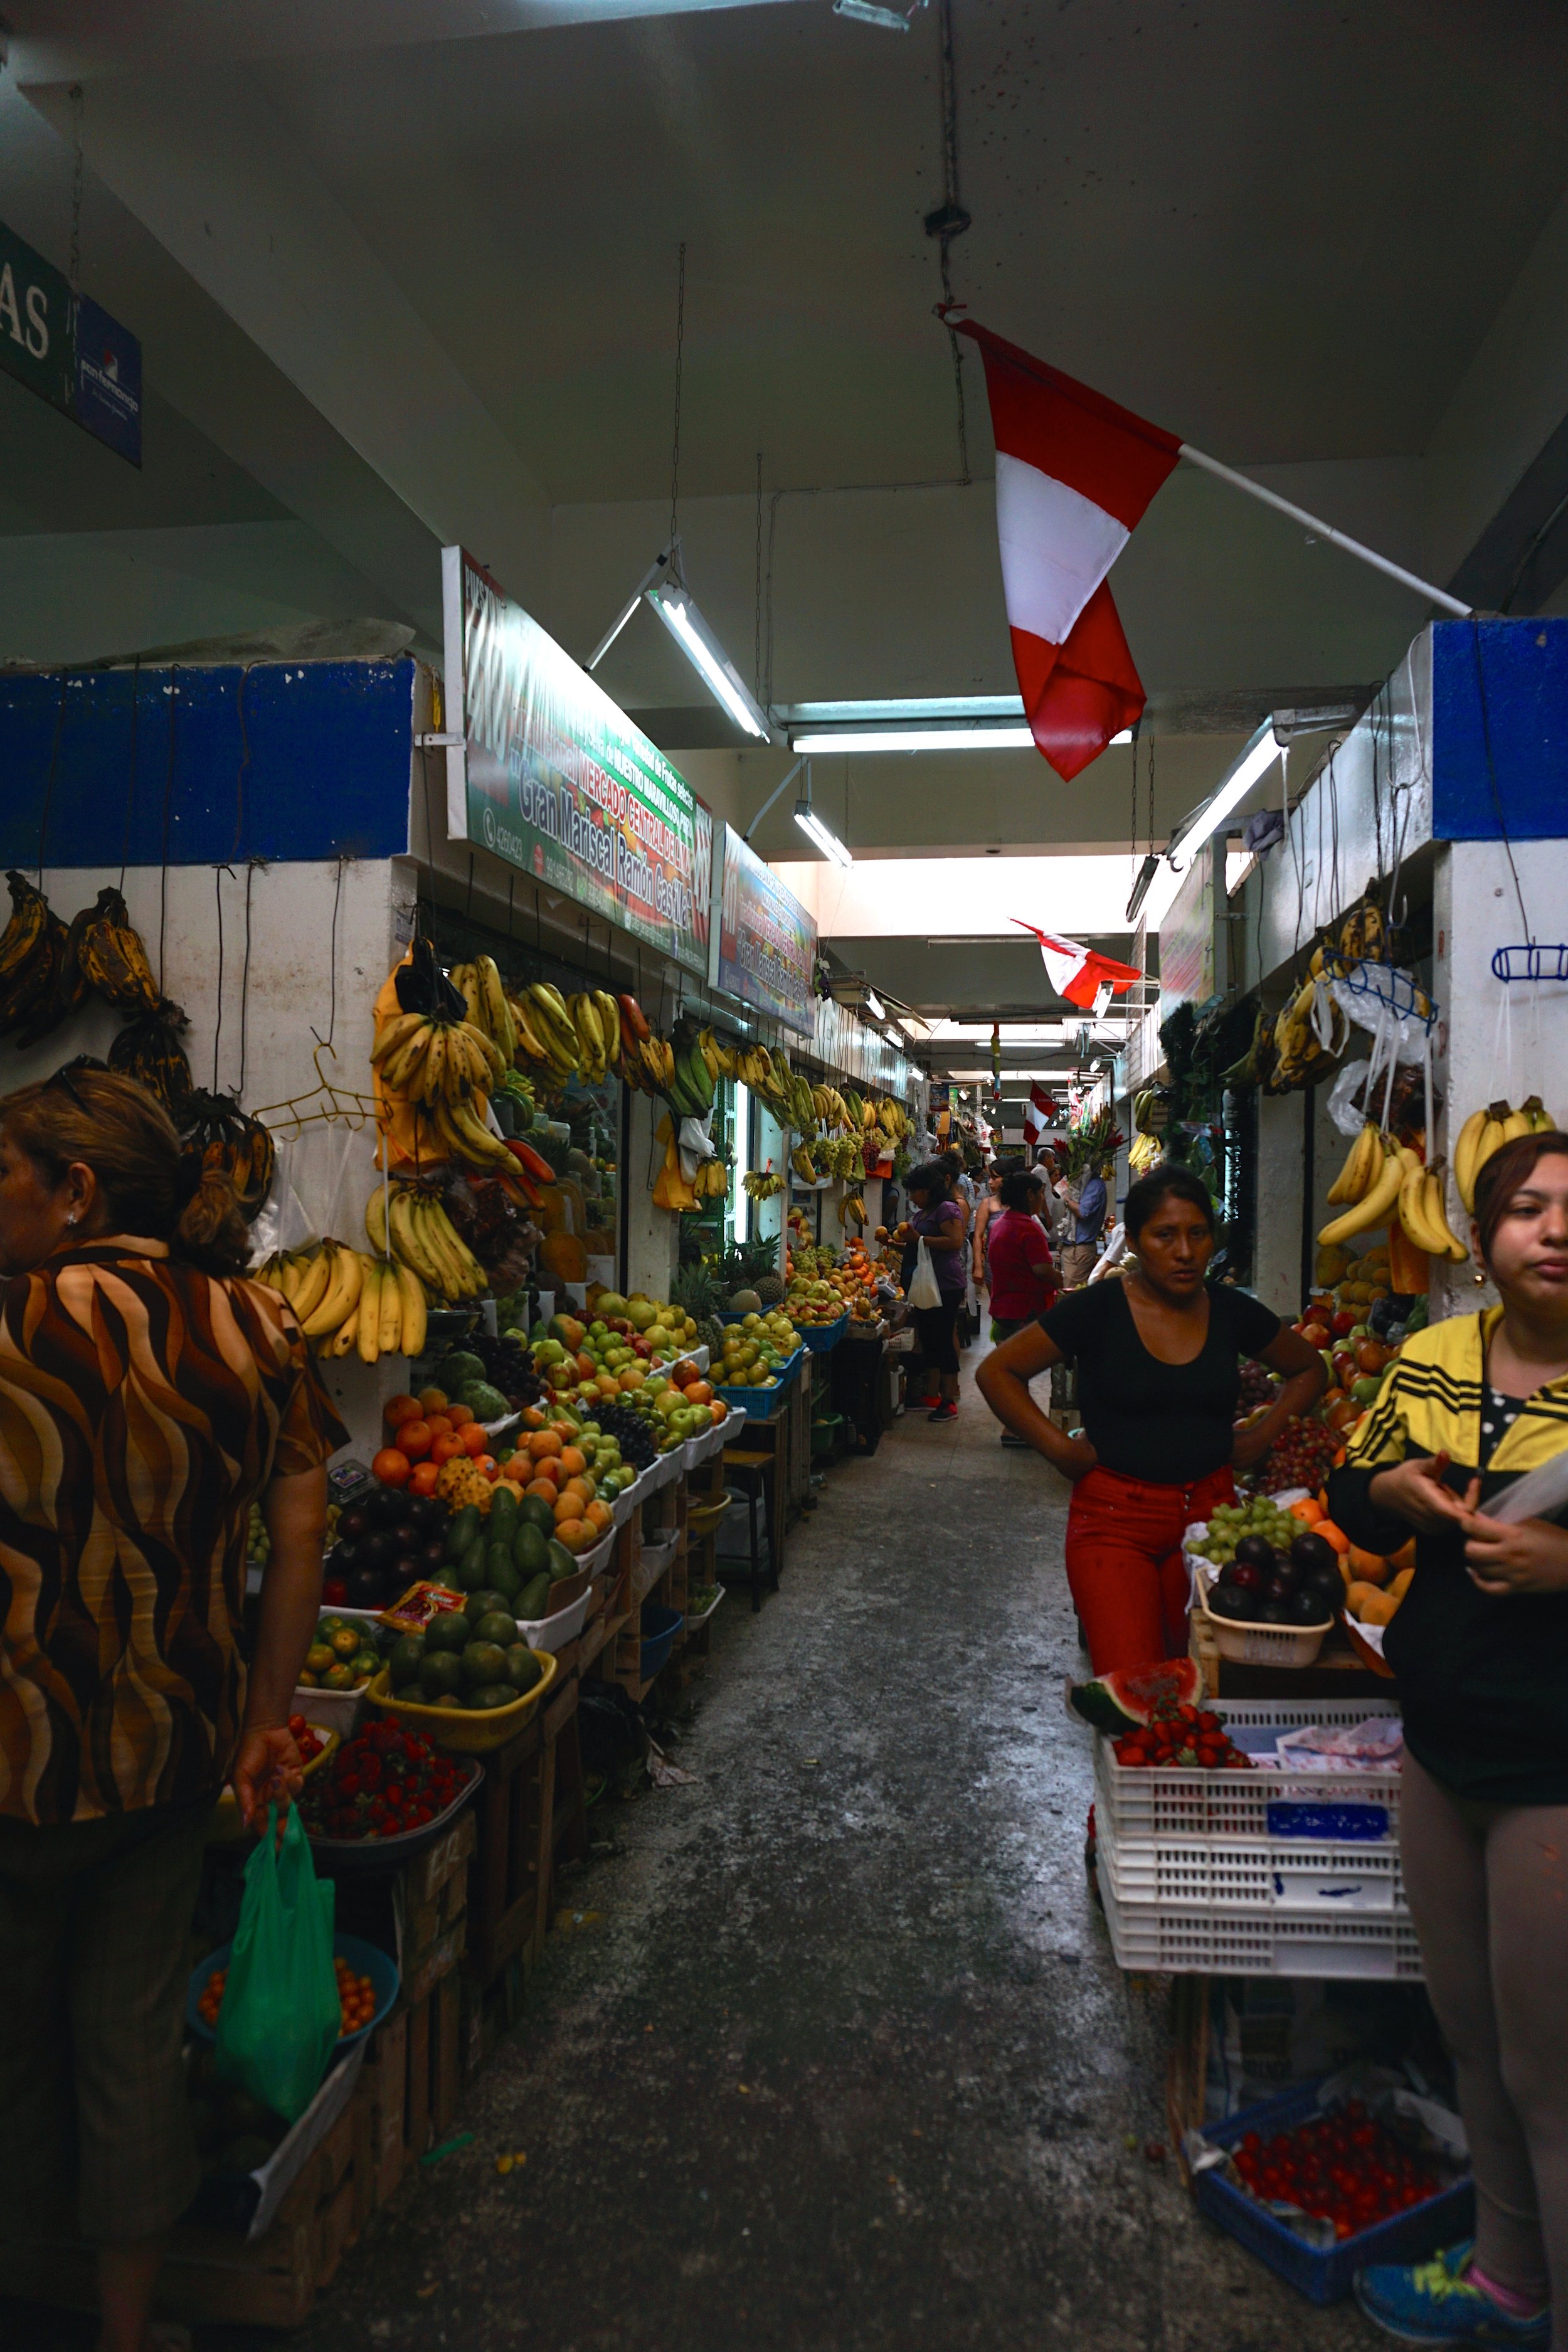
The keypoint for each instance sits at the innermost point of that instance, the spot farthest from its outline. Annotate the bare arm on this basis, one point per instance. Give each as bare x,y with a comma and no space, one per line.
1306,1378
1003,1379
946,1239
267,1766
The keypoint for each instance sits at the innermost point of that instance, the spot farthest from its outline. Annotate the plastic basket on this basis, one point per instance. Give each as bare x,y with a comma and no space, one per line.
1149,1938
1248,1645
455,1728
1347,1880
660,1627
365,1959
758,1404
1323,2275
1138,1802
817,1337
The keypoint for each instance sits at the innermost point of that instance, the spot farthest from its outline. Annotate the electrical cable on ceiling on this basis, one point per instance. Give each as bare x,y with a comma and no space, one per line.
952,220
75,96
757,651
680,369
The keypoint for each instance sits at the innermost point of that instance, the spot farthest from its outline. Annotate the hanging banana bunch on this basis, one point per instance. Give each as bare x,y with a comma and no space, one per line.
1485,1131
233,1142
408,1225
148,1049
763,1183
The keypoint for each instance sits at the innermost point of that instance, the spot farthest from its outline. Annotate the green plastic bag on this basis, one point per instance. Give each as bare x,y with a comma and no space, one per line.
279,2025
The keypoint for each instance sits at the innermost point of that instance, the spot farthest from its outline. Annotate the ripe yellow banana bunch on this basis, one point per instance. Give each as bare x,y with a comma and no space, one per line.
1485,1131
547,1033
711,1181
346,1301
412,1225
1144,1151
1421,1211
657,1056
852,1211
804,1167
1378,1202
753,1068
429,1062
763,1183
595,1018
488,1006
1364,1164
829,1107
719,1060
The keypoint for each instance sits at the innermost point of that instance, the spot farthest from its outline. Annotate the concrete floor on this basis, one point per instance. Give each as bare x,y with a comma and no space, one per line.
833,2056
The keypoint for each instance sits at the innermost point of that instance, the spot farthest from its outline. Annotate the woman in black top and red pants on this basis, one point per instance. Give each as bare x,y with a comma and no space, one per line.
1158,1357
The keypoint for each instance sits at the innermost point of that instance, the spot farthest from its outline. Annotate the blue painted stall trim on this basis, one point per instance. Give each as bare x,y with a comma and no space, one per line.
1523,667
284,760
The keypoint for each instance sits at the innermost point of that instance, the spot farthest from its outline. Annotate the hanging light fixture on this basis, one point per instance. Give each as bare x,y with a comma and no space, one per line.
811,824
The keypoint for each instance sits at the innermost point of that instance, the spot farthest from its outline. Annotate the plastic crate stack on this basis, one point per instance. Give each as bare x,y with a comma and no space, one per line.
1253,1874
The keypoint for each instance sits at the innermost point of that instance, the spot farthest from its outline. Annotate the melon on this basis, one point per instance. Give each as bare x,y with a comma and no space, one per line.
1139,1695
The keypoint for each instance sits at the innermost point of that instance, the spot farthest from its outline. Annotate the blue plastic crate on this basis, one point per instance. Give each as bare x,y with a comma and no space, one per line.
1323,2275
820,1337
757,1404
660,1628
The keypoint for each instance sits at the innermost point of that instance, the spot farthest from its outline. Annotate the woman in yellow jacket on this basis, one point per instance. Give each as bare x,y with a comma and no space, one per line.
1480,1649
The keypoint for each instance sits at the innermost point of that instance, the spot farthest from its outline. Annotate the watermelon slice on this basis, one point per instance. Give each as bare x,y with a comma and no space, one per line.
1119,1701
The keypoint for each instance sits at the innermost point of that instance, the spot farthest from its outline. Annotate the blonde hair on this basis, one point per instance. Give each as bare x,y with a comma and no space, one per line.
150,1183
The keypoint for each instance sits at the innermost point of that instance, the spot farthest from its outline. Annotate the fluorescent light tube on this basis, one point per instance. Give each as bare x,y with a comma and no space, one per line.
811,824
875,1006
677,610
920,739
1259,755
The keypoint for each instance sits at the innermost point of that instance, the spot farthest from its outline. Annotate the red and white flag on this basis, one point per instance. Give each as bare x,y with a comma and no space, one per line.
1078,972
1040,1112
1074,475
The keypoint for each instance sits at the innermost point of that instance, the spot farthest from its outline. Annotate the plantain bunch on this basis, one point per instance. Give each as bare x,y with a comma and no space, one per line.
233,1142
148,1049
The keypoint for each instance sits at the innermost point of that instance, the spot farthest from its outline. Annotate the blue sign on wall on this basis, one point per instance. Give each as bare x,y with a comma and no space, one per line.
1500,712
206,767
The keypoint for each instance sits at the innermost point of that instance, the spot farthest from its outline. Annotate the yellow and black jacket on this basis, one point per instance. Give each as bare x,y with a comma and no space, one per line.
1483,1682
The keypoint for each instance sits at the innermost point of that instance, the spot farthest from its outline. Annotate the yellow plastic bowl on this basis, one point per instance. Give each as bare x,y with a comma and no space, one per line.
456,1727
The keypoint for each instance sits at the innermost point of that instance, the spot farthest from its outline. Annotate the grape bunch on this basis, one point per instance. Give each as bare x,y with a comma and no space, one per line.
1258,1384
1301,1456
630,1429
509,1367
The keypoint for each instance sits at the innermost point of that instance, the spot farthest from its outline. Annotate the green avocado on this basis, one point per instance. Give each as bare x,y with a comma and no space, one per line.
465,1526
440,1675
529,1549
482,1663
489,1695
533,1600
523,1668
448,1629
487,1601
536,1512
496,1626
561,1563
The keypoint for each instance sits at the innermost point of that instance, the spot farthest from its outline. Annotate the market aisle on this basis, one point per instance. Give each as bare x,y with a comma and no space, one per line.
837,2060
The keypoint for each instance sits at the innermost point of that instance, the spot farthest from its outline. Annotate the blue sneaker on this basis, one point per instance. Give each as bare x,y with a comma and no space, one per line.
1433,2302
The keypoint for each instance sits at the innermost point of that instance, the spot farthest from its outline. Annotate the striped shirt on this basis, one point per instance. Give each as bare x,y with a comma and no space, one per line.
143,1407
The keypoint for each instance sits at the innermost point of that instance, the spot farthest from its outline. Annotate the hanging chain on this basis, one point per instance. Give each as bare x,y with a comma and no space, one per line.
680,365
952,220
76,108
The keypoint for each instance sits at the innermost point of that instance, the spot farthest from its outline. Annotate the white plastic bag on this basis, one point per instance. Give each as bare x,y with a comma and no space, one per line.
925,1291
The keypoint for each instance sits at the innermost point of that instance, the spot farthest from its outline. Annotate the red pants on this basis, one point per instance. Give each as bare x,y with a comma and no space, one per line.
1124,1563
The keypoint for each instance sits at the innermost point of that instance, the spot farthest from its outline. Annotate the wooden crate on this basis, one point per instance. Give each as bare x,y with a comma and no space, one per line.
519,1834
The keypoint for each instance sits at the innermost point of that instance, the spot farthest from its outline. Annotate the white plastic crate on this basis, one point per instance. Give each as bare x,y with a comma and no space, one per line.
1149,1939
1344,1879
1137,1803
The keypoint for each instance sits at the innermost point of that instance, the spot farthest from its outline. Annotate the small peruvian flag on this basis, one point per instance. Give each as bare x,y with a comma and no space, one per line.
1040,1112
1074,475
1081,974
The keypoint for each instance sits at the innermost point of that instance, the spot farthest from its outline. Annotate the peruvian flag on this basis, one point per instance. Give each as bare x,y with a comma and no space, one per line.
1084,976
1040,1112
1074,473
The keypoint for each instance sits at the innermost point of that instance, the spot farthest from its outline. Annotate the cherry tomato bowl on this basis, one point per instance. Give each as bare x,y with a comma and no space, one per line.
362,1960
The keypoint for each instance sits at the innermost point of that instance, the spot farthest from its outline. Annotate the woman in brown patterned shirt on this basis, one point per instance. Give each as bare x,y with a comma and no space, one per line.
148,1395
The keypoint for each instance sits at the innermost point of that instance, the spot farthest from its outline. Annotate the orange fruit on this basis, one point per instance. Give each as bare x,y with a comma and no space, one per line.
543,1487
573,1460
399,1409
432,1401
575,1534
391,1467
543,1442
422,1476
568,1507
459,1415
598,1515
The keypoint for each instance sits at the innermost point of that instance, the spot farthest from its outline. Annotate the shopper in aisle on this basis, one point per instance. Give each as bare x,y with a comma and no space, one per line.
1480,1649
1087,1199
939,1222
1158,1355
985,1209
1023,1276
147,1396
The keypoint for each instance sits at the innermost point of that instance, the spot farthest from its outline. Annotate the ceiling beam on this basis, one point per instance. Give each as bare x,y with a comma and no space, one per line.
202,159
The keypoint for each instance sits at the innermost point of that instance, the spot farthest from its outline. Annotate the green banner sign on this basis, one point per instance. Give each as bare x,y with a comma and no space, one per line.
67,349
556,780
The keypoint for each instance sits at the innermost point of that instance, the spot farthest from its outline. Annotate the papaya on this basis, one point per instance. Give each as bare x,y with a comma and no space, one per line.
1368,1567
1368,1605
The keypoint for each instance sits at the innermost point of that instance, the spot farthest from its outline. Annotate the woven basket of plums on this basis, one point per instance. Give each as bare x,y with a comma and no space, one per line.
1273,1604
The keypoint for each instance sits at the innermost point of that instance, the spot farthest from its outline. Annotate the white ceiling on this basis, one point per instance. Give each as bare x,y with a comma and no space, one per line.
406,270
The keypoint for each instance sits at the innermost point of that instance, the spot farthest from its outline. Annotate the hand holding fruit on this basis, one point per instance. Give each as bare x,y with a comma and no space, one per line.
1529,1556
1414,1492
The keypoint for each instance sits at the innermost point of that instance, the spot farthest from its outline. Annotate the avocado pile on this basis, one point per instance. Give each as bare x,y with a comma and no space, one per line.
504,1566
